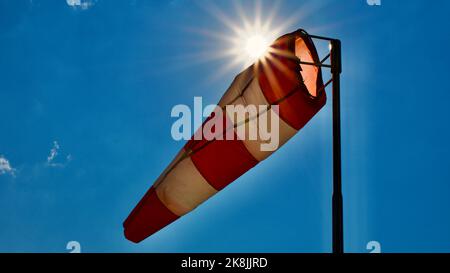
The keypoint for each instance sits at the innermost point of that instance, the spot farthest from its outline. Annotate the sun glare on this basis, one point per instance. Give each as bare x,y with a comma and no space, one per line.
251,42
256,46
246,36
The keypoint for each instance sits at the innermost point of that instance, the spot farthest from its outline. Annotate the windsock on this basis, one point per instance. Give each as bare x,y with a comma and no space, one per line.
204,167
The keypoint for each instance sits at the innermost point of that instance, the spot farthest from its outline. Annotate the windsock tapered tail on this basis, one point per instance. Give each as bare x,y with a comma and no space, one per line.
204,167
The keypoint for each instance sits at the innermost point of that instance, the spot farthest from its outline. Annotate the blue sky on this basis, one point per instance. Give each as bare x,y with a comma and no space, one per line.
101,79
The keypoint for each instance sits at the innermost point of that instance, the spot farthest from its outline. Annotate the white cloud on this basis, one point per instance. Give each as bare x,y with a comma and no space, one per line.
53,159
5,166
82,4
53,152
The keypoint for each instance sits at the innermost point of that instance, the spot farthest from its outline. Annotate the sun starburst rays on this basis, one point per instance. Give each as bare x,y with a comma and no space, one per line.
246,35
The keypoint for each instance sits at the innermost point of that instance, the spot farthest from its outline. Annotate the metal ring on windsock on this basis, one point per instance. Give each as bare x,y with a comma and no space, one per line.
204,167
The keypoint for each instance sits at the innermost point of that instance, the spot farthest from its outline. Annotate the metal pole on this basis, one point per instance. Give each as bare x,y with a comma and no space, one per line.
337,214
337,200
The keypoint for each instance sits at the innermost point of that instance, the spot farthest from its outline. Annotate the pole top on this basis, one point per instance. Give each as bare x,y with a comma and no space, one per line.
336,64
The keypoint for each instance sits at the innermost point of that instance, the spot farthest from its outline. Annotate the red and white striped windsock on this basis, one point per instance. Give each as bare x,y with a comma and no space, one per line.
204,167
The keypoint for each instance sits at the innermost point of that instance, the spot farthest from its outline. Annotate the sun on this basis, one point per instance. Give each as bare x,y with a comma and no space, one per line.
246,34
250,40
256,46
250,46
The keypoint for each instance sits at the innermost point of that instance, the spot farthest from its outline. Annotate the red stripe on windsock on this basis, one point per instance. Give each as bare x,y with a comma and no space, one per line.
149,216
221,162
280,76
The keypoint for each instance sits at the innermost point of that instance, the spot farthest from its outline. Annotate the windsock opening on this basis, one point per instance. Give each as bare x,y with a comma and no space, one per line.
309,72
292,64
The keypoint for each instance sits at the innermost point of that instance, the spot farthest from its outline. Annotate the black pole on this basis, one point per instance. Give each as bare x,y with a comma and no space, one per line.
337,214
337,203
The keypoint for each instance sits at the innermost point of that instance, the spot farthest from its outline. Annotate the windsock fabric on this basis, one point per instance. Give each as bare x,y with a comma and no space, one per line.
204,167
